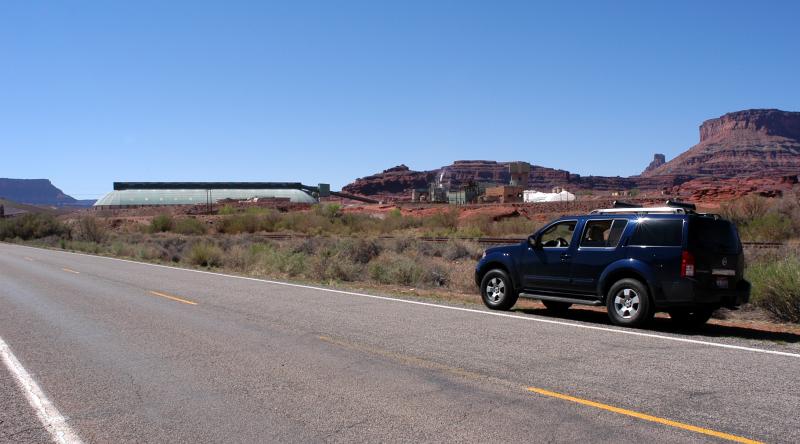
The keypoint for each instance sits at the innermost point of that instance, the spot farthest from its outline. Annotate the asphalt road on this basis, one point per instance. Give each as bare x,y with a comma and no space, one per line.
140,353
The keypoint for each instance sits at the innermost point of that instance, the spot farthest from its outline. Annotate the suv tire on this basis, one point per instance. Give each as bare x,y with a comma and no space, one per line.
628,303
497,290
691,318
556,306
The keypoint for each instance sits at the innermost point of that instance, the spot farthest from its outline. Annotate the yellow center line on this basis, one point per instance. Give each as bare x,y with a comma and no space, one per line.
424,363
174,298
69,270
643,416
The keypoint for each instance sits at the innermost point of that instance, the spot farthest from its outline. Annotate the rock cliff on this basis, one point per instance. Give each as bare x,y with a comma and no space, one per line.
751,142
751,151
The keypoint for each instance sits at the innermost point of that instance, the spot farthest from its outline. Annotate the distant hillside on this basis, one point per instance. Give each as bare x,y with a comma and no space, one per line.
750,151
12,207
37,192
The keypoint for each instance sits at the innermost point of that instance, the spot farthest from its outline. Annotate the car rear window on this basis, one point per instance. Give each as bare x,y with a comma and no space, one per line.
658,233
713,234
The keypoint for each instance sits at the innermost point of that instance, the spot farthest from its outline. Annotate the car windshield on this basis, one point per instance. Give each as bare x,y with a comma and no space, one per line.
713,234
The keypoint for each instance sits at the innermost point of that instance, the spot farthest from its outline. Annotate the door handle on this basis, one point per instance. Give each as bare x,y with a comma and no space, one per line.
565,257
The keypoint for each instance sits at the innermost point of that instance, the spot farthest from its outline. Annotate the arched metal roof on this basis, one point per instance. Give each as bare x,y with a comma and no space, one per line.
197,196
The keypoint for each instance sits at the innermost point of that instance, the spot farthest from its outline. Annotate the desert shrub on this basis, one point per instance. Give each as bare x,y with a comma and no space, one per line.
445,220
745,209
308,246
776,287
239,223
90,229
269,220
227,210
161,223
761,219
396,269
266,259
344,270
83,246
457,250
309,222
430,249
437,276
329,211
119,248
769,227
401,244
189,226
506,226
147,252
32,226
205,254
362,251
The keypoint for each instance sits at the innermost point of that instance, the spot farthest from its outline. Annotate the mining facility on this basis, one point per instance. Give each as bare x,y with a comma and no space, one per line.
440,191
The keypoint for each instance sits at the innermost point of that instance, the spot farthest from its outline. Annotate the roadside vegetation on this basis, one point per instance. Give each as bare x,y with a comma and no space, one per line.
350,247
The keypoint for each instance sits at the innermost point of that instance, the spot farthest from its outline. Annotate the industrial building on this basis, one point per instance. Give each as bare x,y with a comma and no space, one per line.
137,194
134,194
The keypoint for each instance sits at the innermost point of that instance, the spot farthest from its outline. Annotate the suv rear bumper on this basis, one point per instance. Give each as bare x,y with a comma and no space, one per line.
688,293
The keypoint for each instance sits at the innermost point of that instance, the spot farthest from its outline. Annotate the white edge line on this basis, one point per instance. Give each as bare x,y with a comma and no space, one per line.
48,414
532,318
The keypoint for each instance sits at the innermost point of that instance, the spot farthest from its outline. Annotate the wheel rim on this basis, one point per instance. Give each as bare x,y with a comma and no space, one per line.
495,290
627,303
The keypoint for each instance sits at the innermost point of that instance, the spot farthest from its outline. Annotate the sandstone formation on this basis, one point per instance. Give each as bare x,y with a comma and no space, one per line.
394,181
751,142
752,151
658,160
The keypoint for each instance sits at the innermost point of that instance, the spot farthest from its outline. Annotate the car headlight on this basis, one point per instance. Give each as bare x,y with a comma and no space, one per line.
484,254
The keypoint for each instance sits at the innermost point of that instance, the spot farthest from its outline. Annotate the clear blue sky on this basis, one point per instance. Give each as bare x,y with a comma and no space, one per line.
93,92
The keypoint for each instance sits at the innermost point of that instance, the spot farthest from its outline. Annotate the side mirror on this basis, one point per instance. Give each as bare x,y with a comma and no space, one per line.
534,241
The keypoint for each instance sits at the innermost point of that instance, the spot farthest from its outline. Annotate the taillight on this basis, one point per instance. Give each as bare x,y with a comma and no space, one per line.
687,264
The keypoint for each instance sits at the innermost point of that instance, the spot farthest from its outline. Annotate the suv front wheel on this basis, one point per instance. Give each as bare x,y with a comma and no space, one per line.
628,303
497,291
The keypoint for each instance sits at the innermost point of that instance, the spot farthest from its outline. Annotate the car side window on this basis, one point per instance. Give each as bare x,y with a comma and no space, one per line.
658,233
603,233
558,235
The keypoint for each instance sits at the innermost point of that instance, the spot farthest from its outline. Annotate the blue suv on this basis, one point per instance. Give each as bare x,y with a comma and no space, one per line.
635,261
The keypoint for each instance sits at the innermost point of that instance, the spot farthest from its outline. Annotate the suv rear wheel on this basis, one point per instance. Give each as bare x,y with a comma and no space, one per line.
691,318
628,303
497,291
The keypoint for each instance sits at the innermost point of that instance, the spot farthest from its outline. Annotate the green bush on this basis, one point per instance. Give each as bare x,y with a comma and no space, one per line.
769,227
776,287
205,254
161,223
32,226
227,210
189,226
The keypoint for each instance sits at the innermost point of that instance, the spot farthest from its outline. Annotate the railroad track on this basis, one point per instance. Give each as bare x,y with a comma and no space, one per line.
479,240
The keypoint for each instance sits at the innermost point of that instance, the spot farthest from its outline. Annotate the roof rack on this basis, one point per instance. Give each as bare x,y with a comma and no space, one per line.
672,207
640,210
685,205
